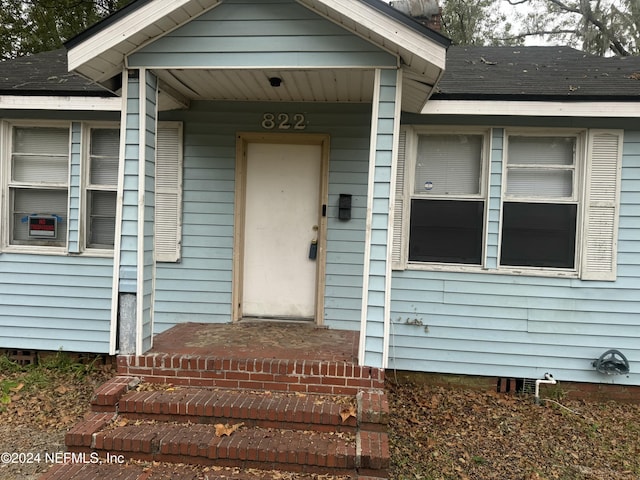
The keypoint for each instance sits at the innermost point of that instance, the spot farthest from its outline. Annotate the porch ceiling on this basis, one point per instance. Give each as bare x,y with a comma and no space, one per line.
347,85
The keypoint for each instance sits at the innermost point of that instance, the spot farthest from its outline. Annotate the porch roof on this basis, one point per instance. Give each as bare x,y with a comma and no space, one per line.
101,52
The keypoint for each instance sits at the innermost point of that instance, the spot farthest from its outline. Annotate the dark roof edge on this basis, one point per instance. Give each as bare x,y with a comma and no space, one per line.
409,22
535,98
105,22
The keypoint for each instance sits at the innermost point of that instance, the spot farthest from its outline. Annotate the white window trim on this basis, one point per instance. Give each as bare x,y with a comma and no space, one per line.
85,183
597,182
409,180
578,198
6,185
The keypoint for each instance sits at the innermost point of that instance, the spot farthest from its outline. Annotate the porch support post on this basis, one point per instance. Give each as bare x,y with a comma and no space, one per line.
134,257
376,298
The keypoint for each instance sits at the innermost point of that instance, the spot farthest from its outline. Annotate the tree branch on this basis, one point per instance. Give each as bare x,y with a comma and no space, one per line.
616,45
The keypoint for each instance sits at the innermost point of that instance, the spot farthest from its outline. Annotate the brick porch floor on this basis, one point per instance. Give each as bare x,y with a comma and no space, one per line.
259,339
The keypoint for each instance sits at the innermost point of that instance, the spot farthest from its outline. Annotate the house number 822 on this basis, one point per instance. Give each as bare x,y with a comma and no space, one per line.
282,121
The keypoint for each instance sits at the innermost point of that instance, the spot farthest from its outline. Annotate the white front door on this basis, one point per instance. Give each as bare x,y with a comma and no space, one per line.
281,219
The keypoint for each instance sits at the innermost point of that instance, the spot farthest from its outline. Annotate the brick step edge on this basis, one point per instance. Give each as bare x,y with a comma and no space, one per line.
147,471
306,376
263,409
289,450
107,395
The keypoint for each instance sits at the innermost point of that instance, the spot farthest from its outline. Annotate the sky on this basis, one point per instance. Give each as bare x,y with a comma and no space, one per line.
510,11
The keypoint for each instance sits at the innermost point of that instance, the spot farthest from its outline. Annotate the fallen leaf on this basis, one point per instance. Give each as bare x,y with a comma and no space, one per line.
61,390
226,430
121,422
346,413
17,388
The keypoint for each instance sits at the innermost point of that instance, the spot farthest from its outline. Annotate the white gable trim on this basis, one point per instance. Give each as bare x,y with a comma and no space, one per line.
128,33
11,102
530,108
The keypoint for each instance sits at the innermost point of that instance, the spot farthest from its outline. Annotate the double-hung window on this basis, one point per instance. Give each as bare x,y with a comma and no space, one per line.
447,198
552,207
38,185
101,186
540,211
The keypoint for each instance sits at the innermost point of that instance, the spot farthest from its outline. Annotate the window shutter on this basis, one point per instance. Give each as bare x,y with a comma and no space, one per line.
604,168
168,209
397,248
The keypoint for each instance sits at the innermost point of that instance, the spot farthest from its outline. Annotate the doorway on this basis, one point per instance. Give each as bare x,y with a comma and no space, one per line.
280,227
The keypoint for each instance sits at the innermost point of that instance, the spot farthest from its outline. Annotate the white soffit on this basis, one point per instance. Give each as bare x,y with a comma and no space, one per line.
308,85
533,109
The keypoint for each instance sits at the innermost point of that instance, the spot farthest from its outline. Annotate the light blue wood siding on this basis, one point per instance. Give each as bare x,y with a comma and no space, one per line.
129,233
147,266
378,246
52,302
55,302
74,187
524,326
495,192
261,33
198,288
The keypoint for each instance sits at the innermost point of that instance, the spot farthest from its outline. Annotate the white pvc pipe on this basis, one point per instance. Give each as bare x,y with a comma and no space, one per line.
548,378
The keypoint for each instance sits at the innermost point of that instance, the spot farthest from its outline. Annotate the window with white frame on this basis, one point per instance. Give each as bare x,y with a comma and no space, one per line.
101,186
447,198
559,201
540,202
38,185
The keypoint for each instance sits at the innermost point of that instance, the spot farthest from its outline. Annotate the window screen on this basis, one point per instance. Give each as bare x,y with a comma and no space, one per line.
539,235
104,149
446,231
447,207
539,217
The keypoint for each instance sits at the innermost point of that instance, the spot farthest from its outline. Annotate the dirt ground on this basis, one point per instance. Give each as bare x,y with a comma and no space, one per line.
436,433
441,433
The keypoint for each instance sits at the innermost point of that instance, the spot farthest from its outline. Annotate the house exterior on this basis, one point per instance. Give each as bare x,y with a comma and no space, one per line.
467,210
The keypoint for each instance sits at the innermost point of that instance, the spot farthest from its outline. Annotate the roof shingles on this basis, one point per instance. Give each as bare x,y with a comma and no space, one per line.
537,73
45,74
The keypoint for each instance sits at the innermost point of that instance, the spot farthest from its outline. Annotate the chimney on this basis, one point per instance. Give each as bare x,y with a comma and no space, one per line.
427,12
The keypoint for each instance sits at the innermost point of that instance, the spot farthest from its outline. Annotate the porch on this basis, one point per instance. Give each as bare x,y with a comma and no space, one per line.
279,356
291,395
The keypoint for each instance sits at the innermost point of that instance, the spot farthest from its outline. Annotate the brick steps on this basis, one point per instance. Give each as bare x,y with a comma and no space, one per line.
289,432
302,419
263,409
305,376
260,408
270,449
